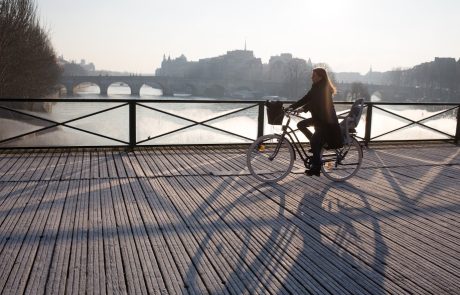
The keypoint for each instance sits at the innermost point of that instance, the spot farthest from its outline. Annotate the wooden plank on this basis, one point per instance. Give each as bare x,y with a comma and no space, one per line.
58,272
15,160
102,160
94,165
136,165
11,194
128,165
131,263
60,165
153,165
16,227
86,165
120,168
38,173
96,266
34,165
148,260
114,271
42,263
71,162
159,237
78,165
17,174
27,250
112,170
7,159
180,242
49,169
76,276
8,189
146,170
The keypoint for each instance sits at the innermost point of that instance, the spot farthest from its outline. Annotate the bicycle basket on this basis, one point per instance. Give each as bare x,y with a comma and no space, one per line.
275,112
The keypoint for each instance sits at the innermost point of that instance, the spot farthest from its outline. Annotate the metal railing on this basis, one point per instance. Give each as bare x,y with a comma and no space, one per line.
131,108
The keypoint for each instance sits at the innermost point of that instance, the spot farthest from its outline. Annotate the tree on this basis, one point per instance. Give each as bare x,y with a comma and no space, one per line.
28,66
296,77
358,90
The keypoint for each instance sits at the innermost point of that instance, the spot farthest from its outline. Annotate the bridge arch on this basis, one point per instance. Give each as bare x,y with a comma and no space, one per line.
145,89
123,88
84,87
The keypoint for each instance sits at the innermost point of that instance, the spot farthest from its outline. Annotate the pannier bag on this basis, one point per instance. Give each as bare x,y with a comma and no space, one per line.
275,114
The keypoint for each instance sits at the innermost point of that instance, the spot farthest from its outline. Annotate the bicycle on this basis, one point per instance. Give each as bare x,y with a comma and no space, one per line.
270,158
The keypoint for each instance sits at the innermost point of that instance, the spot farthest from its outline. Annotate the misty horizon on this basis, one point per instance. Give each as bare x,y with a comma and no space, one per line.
84,61
349,36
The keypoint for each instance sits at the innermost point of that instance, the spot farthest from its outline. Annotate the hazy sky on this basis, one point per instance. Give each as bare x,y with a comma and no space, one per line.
351,35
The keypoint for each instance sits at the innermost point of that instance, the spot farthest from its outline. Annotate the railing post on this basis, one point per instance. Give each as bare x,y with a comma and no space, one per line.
261,119
367,135
132,124
457,132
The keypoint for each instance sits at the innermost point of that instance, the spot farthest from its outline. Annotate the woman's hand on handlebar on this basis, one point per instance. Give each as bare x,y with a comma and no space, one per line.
291,111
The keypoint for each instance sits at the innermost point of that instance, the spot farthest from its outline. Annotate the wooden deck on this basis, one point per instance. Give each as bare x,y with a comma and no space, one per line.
191,221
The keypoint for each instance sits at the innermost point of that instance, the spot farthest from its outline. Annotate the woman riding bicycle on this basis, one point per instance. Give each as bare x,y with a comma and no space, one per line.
323,117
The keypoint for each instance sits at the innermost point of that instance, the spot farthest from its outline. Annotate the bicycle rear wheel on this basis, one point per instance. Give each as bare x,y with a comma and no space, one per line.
341,164
269,159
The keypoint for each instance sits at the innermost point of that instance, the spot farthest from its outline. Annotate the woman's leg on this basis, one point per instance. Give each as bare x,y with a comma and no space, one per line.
317,142
302,125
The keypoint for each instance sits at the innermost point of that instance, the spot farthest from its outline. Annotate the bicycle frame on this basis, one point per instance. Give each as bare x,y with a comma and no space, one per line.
295,143
287,130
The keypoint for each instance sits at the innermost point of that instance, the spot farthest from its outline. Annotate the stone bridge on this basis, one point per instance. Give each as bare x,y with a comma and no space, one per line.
390,93
172,85
220,88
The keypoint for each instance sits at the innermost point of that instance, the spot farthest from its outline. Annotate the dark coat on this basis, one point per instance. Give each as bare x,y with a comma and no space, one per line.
319,102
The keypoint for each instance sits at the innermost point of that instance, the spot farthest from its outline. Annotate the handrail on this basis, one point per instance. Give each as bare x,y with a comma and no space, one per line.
141,100
135,103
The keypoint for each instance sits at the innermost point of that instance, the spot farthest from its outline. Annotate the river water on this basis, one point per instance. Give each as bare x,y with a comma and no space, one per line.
176,123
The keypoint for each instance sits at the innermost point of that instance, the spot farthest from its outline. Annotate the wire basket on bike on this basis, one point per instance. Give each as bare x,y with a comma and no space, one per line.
275,114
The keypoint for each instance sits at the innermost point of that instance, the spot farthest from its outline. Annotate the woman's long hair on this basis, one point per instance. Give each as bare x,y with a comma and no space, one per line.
323,74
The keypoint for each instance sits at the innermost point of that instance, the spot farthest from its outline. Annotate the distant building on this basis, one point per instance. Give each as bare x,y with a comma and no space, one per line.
178,67
73,68
237,64
88,67
277,67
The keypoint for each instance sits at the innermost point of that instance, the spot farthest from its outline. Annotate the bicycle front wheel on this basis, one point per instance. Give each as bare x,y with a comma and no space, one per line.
341,164
270,158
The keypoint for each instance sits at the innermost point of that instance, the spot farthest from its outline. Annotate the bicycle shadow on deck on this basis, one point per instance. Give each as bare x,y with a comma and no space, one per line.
345,244
292,241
